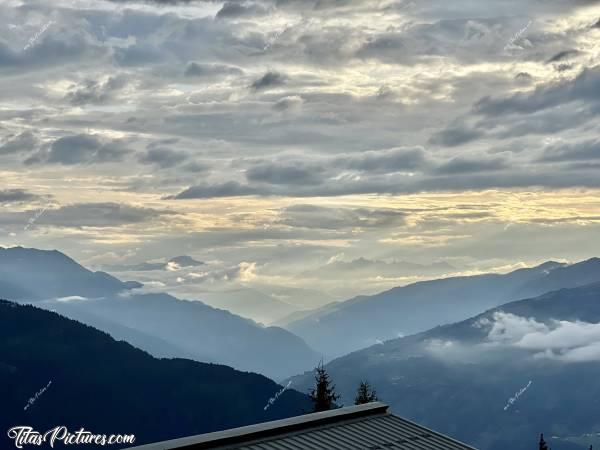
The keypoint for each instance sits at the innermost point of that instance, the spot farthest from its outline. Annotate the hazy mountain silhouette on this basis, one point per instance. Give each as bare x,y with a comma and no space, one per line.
364,268
197,331
110,387
362,321
31,274
250,303
459,378
158,323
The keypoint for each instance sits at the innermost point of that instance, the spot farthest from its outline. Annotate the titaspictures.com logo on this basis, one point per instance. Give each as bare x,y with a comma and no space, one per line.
24,435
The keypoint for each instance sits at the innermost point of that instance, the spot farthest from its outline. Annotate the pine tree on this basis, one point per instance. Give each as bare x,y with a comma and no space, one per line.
365,394
323,395
543,445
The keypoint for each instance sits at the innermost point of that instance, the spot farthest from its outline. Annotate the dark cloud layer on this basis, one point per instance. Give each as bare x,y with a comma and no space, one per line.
312,216
227,189
572,151
107,214
16,195
80,149
162,157
269,80
585,87
194,69
21,143
95,92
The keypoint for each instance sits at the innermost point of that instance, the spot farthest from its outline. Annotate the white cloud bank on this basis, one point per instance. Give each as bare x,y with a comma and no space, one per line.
558,339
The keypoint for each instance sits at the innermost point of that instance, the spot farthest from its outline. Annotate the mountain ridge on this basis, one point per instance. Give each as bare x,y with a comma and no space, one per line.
132,391
459,378
419,306
54,281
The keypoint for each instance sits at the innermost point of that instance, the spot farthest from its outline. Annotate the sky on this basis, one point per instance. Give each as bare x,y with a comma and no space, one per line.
311,150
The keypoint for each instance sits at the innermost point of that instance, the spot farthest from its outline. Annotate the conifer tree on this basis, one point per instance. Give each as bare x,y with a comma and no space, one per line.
543,445
365,394
323,395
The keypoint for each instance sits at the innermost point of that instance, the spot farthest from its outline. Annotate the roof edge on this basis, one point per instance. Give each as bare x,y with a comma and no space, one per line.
269,429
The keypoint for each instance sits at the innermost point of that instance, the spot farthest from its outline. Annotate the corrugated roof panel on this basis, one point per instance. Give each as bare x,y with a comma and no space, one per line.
382,432
363,427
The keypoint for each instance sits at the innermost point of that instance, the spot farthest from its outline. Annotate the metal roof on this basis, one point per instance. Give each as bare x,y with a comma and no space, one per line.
363,427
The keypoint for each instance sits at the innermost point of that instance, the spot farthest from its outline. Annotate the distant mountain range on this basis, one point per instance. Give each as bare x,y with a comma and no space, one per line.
77,376
184,277
498,379
343,327
364,267
250,303
158,323
494,379
35,275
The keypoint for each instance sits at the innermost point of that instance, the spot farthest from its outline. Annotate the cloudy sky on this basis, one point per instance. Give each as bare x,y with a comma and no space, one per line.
341,146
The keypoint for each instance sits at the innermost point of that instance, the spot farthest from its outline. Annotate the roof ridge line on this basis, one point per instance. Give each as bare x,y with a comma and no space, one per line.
270,429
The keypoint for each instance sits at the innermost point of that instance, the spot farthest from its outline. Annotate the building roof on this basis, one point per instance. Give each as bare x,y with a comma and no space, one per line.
363,427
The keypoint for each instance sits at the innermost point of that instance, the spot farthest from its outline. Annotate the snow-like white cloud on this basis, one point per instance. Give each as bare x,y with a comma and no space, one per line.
569,341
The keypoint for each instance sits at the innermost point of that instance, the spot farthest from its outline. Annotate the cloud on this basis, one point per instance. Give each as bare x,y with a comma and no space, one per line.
269,80
558,339
21,143
313,216
362,112
243,272
455,135
98,215
584,87
226,189
561,56
58,45
72,298
80,149
162,157
288,103
460,165
173,264
96,92
383,161
572,151
234,9
287,174
16,195
194,69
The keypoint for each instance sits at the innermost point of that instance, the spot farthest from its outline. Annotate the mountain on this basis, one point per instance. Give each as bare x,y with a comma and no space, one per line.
249,303
363,268
299,315
161,324
495,380
366,320
55,275
197,331
110,387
